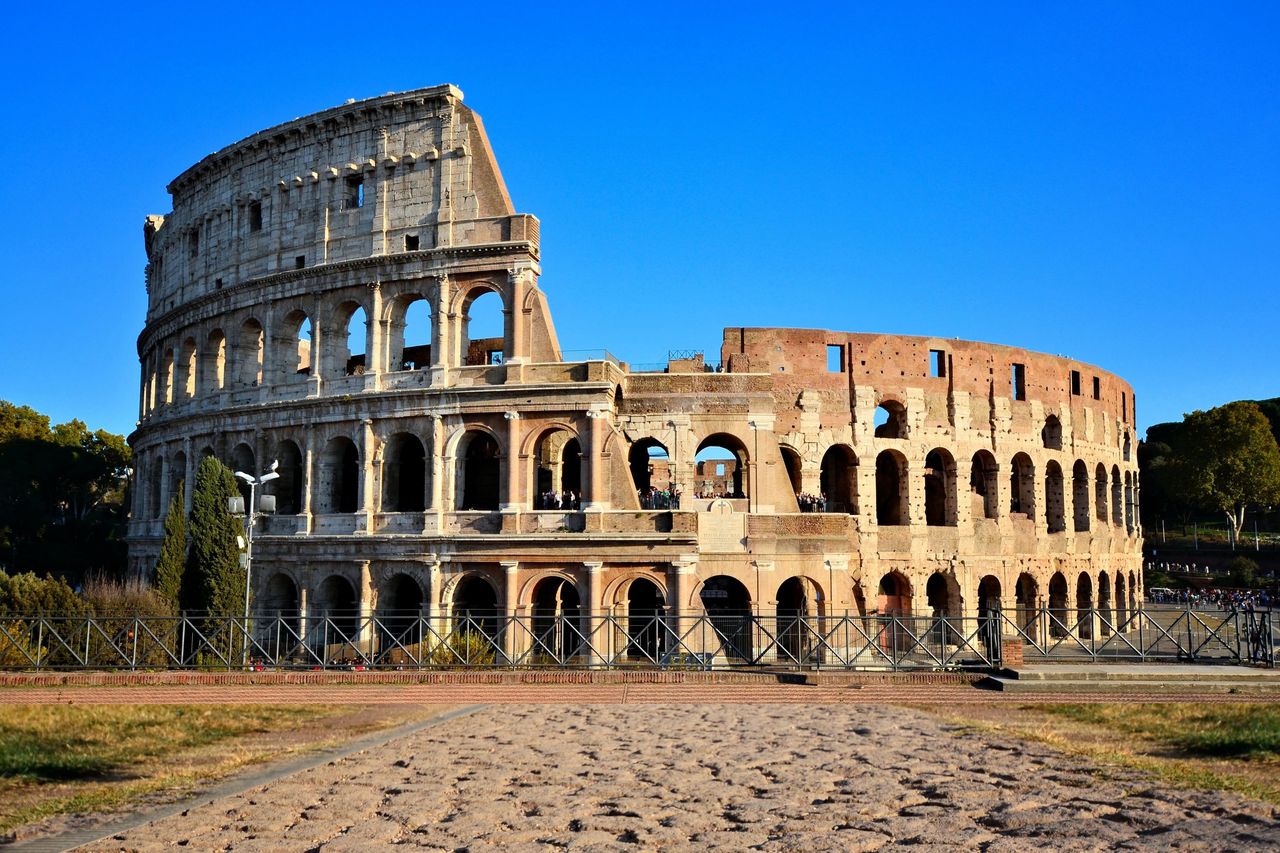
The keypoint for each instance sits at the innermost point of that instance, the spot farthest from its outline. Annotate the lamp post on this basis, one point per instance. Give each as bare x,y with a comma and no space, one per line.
264,504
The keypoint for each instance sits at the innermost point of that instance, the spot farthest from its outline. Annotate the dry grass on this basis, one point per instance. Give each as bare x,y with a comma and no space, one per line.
59,760
1228,747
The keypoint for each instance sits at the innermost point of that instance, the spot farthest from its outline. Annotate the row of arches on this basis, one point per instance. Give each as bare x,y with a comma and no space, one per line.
297,345
890,421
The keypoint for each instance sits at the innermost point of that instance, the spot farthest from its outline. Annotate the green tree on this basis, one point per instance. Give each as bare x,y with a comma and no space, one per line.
1226,459
214,578
172,566
1243,571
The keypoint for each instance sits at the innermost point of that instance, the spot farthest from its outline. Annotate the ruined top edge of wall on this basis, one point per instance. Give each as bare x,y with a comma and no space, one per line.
446,92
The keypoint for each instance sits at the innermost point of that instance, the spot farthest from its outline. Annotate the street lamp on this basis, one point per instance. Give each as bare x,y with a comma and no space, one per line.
264,504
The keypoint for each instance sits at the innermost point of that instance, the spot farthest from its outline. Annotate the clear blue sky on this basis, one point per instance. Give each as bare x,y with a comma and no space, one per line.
1099,180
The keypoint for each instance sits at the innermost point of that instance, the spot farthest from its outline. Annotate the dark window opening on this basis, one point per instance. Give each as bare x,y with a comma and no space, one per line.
411,242
193,243
835,358
1075,383
299,262
217,284
1097,388
355,193
1124,407
937,363
255,216
1019,382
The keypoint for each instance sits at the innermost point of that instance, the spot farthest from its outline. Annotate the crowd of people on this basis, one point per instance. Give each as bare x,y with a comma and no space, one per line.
655,498
812,503
558,500
1214,599
1175,568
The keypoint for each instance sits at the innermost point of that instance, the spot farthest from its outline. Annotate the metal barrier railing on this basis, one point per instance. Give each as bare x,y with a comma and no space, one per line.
653,639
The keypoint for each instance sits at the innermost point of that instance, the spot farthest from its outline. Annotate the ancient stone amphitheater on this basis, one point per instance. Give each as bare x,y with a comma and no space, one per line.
319,298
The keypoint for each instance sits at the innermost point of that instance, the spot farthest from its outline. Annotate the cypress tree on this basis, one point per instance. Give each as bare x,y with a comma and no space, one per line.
214,579
173,551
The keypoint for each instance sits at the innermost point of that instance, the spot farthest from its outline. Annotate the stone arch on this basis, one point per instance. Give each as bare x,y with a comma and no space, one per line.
1127,448
167,378
247,354
475,605
723,466
410,331
838,479
1100,493
155,486
555,611
293,342
1051,433
213,363
799,609
1134,595
1084,606
794,466
242,460
1027,598
556,459
989,600
1117,497
188,368
1122,611
340,358
644,600
1060,616
893,505
1054,497
1080,496
288,489
482,313
940,488
280,596
336,601
984,485
400,601
727,604
1129,523
177,474
404,474
890,419
339,487
650,465
942,593
1022,486
1104,604
478,471
893,594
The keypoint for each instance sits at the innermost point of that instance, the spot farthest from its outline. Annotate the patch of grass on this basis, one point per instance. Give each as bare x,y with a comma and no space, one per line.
1217,731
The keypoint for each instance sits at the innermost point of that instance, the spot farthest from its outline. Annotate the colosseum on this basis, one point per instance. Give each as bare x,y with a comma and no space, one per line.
312,302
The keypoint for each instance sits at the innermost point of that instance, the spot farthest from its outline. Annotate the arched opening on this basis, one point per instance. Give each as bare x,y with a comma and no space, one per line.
943,595
1027,593
890,420
355,341
798,611
1117,497
293,345
483,330
288,488
727,604
247,357
399,612
940,489
155,484
339,477
557,631
1022,486
280,598
1051,434
475,610
989,595
1134,594
651,472
336,602
187,369
839,479
242,461
480,469
1128,501
1122,611
177,473
1054,498
894,595
1100,493
1128,447
983,485
557,466
892,506
404,474
1080,495
409,333
722,467
213,362
1059,616
1104,604
644,611
793,465
1084,606
167,373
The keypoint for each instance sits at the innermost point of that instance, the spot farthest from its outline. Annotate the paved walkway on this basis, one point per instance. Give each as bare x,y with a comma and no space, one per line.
695,777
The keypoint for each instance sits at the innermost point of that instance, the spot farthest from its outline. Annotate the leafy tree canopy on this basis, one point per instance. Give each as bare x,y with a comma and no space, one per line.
1226,459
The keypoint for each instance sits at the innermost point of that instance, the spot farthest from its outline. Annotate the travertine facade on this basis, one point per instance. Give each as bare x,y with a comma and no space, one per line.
415,473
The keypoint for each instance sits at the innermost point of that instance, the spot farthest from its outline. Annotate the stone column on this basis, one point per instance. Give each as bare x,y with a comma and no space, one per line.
364,633
368,480
596,497
304,596
511,474
766,608
309,481
319,331
436,504
511,634
597,637
375,359
682,614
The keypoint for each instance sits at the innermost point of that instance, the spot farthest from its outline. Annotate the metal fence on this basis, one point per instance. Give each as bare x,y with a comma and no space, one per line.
653,640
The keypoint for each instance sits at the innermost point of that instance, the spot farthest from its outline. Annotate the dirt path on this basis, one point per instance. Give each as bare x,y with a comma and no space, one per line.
676,777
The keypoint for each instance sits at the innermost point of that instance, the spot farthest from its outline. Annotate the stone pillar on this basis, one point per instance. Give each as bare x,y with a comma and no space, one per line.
368,480
597,637
364,633
436,498
681,614
309,481
376,358
516,337
304,596
511,634
319,364
766,608
597,498
510,501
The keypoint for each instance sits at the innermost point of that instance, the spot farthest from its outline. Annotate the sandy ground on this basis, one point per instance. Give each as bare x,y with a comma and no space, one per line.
682,777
